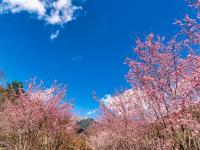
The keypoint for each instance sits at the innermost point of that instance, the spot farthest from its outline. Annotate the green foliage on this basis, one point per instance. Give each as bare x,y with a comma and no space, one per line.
15,86
10,92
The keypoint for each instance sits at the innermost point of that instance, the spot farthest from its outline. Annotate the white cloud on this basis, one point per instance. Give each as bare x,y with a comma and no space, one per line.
127,100
54,35
107,98
91,112
54,12
32,6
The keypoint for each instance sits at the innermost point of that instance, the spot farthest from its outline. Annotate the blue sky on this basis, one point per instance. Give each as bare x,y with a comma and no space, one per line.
90,50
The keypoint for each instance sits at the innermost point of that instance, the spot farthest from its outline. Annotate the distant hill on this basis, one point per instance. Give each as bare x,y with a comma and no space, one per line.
84,124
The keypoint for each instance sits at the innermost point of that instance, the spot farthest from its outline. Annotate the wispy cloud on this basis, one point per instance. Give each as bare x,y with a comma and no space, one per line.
54,35
77,59
53,12
91,112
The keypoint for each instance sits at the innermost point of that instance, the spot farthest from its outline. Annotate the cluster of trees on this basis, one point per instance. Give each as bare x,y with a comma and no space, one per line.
37,118
161,111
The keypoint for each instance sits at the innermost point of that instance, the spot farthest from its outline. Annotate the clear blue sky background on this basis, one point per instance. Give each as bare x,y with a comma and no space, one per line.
90,51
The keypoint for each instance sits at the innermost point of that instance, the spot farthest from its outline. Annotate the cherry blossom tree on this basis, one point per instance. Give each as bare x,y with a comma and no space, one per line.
162,110
118,126
38,119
